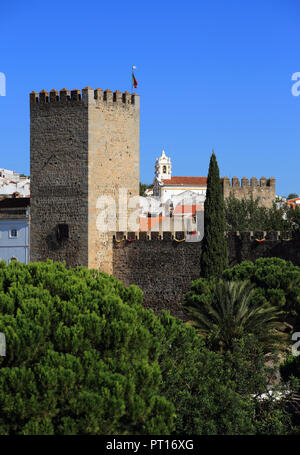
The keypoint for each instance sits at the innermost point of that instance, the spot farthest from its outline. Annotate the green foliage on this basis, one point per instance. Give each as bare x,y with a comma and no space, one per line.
221,394
244,360
84,357
290,368
82,354
292,196
290,373
247,365
243,215
214,257
201,385
277,282
293,218
144,187
272,417
248,215
255,378
223,311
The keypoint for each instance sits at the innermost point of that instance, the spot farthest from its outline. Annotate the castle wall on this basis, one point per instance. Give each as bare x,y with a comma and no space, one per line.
164,268
264,189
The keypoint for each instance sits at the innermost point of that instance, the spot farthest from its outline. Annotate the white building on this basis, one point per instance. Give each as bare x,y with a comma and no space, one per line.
168,187
150,206
14,229
12,183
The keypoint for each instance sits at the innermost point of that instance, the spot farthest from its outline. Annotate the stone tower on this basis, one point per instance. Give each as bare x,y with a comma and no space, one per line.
83,146
264,189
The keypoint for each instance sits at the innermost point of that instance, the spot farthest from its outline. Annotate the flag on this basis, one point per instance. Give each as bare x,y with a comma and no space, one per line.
134,81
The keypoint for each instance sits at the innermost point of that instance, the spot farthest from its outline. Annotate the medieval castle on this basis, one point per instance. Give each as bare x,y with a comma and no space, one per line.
85,145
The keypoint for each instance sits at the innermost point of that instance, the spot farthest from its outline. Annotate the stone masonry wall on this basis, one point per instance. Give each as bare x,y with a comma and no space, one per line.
113,166
84,145
264,189
59,177
164,267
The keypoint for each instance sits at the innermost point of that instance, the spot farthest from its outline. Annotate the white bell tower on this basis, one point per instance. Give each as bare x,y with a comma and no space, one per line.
163,167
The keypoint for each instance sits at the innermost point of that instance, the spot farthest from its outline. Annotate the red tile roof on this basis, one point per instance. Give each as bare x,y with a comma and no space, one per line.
201,181
146,224
293,202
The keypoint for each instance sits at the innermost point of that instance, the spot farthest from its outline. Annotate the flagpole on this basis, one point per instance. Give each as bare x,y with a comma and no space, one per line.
132,68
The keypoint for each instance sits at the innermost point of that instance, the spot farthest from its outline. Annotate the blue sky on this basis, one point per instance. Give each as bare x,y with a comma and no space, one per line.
210,75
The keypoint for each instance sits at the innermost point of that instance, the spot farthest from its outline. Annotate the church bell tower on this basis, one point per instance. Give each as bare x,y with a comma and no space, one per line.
163,167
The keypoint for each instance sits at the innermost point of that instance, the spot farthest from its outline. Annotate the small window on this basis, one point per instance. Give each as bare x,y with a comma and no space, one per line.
13,233
62,232
164,169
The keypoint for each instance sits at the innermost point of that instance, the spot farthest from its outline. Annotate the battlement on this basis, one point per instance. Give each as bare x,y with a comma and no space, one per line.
259,236
264,236
264,189
84,95
254,183
148,235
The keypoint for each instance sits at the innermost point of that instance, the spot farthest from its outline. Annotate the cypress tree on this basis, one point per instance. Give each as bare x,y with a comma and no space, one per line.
214,257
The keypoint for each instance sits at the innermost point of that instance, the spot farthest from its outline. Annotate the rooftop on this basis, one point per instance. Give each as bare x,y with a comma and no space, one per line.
174,180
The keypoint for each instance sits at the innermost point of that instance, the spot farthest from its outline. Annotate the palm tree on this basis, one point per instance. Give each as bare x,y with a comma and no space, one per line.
232,314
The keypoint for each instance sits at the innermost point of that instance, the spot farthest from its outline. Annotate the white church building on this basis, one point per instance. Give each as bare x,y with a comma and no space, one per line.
169,188
180,199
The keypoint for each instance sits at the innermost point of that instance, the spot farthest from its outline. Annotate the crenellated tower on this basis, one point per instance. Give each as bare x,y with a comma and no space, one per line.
84,145
264,189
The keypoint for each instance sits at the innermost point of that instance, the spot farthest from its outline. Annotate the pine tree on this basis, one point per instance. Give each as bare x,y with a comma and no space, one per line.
214,255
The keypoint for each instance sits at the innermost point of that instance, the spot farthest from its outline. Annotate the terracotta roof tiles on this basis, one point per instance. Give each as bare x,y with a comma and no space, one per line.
199,181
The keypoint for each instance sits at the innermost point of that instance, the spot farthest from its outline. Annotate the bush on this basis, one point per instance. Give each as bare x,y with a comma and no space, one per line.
84,357
81,354
219,394
290,368
201,385
277,282
245,214
223,311
248,215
